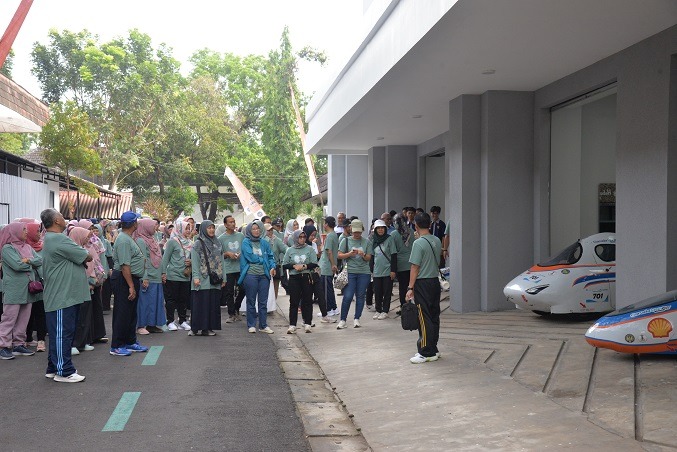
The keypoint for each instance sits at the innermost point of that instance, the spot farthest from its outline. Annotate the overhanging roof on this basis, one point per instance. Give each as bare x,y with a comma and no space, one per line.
528,43
20,111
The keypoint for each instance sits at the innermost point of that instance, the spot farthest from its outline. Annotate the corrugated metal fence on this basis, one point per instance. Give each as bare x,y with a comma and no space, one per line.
21,197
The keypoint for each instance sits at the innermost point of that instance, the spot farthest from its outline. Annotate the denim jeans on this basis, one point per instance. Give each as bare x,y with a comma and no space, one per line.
357,286
256,290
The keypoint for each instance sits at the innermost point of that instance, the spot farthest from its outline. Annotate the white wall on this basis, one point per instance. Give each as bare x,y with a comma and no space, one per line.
583,148
26,198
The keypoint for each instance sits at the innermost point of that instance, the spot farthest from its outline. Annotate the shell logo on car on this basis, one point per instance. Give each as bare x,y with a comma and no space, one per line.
579,279
644,327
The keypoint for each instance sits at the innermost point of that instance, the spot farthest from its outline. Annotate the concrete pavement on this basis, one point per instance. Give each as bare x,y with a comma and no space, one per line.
506,381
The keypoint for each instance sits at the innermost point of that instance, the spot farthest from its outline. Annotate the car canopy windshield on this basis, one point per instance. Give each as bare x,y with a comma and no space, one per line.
568,256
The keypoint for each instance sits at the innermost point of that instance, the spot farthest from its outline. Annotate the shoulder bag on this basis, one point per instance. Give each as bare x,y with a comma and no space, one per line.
214,279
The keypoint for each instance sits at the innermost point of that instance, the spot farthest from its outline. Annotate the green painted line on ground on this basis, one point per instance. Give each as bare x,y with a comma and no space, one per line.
122,412
152,355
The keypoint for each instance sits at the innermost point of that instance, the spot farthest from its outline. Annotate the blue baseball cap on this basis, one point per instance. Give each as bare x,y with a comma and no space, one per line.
129,217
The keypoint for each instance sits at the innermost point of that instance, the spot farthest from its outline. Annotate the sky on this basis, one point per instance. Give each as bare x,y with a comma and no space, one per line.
238,26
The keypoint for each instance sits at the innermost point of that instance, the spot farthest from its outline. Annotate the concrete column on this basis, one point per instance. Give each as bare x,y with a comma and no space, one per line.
401,177
646,177
336,166
506,192
357,186
463,159
377,182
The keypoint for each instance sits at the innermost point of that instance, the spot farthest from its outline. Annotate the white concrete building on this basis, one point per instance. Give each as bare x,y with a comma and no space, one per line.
521,118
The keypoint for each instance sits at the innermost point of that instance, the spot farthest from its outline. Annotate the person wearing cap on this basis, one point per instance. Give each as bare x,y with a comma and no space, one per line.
329,265
357,251
385,268
424,289
66,287
129,265
231,243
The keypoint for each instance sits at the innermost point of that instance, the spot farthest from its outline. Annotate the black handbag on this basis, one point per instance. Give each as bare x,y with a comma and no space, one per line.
409,316
214,278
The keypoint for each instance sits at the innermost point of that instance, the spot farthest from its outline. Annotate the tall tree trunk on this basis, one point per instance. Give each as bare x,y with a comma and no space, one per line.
160,182
114,181
212,208
203,206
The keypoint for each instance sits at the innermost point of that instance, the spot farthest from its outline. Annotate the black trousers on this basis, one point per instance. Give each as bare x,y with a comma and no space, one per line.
300,292
106,292
229,296
427,298
37,322
370,293
98,324
177,294
83,330
403,283
383,287
319,296
124,311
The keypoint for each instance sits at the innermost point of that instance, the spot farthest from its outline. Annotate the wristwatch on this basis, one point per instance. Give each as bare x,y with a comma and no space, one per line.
409,288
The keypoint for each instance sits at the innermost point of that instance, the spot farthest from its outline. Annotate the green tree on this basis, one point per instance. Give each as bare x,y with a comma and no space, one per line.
67,140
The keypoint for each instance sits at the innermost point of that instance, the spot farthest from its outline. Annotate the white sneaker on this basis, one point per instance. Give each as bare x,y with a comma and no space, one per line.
420,359
376,316
171,326
252,330
308,328
266,330
74,351
383,316
185,326
319,314
88,348
334,312
327,320
50,375
291,329
341,325
356,323
72,378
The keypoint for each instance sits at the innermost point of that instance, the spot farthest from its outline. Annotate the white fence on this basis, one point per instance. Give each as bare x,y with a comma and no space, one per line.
21,197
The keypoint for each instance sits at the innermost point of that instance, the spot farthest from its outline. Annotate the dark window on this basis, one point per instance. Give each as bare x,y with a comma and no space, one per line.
606,252
570,255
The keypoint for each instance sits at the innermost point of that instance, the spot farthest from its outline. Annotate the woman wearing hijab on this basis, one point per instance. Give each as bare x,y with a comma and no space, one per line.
106,262
209,277
96,249
257,267
150,311
279,248
403,238
292,225
300,260
19,264
37,322
83,339
318,294
385,268
176,272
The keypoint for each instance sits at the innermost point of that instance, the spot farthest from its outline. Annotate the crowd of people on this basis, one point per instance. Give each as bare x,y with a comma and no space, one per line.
59,277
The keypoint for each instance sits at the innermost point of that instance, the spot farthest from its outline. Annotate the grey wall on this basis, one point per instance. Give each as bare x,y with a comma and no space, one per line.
435,181
402,177
377,184
646,150
349,184
506,196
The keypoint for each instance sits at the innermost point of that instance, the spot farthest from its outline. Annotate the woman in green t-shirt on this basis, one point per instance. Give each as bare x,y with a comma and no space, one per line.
357,251
300,260
385,268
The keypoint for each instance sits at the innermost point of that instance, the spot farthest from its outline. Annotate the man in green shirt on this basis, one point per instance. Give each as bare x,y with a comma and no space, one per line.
231,243
329,265
424,289
129,265
66,287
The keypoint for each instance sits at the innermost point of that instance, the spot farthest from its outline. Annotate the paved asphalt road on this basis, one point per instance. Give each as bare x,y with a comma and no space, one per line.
205,393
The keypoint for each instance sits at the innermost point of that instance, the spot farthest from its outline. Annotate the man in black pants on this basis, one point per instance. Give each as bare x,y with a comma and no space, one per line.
231,242
128,268
424,289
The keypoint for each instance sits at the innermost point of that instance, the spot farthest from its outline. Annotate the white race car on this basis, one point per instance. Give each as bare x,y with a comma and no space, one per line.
580,279
644,327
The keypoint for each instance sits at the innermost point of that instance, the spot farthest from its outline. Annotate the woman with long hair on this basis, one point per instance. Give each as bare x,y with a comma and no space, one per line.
257,267
208,278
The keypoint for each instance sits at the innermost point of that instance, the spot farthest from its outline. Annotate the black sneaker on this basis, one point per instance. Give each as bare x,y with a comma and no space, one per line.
6,353
20,350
